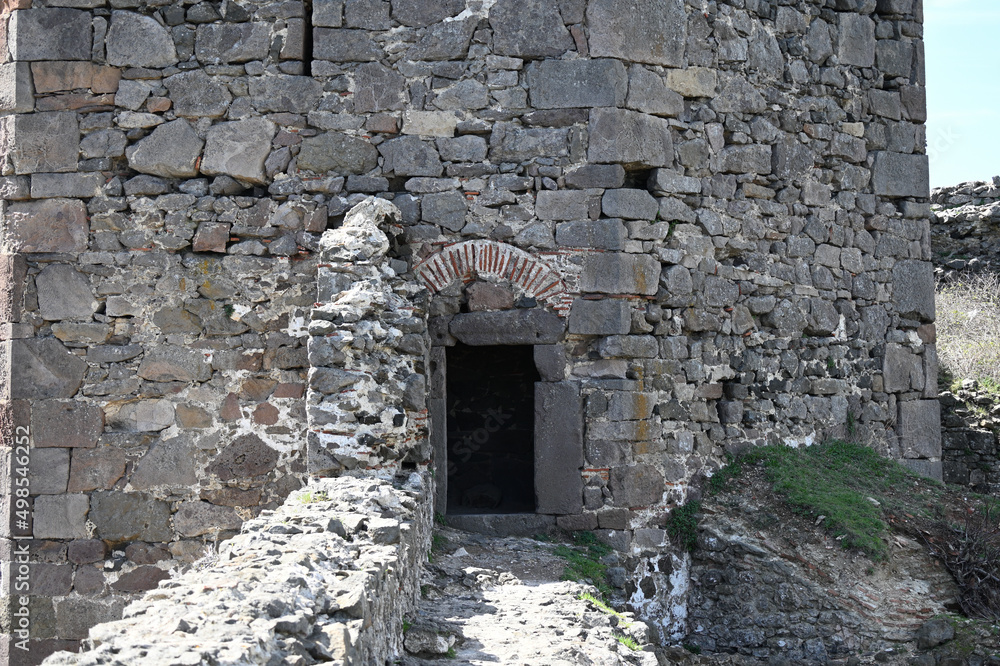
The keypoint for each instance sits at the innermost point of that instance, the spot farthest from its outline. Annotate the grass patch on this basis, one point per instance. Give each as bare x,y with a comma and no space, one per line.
583,561
682,525
968,328
606,609
628,642
309,497
850,485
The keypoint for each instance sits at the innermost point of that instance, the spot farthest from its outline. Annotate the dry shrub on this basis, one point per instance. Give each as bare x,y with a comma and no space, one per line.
971,553
968,327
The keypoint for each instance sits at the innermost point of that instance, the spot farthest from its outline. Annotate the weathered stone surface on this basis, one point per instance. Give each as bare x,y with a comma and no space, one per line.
197,518
603,234
558,447
429,123
16,91
210,237
737,95
238,149
60,516
135,40
913,289
445,208
344,45
466,148
596,175
328,13
628,137
620,273
528,29
55,185
420,13
45,142
856,40
48,471
96,469
85,551
378,88
636,485
510,143
484,296
649,31
174,364
64,293
899,175
171,151
292,94
113,353
448,40
560,84
140,579
52,225
550,361
514,327
410,156
919,428
745,159
49,34
42,368
902,370
195,94
938,630
68,423
648,92
603,317
693,81
629,204
232,42
339,153
168,463
121,517
245,458
667,181
565,204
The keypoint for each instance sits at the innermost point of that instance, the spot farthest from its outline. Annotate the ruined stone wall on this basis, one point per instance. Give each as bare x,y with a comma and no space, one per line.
709,219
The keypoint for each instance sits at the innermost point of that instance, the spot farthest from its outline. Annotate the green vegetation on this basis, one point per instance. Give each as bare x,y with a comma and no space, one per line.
604,608
309,497
628,642
439,519
682,525
583,561
451,654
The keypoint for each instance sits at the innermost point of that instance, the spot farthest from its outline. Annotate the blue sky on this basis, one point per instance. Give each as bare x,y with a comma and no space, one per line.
962,45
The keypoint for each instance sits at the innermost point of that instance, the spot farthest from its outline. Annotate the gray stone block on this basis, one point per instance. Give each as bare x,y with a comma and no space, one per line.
16,91
60,516
528,29
596,175
64,293
628,346
135,40
631,138
339,153
898,175
561,84
511,327
446,209
420,13
42,368
649,31
601,234
503,524
666,181
328,13
620,273
238,149
550,361
636,485
168,363
466,94
558,448
468,148
901,370
564,204
894,57
377,88
78,185
737,95
219,43
48,471
168,464
285,94
629,204
121,517
913,289
855,40
197,518
96,469
410,156
341,45
919,428
444,41
648,92
510,143
195,95
744,159
170,151
45,142
49,34
600,317
51,225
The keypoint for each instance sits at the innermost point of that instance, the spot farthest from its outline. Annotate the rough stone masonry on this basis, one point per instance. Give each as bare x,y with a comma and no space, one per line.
708,219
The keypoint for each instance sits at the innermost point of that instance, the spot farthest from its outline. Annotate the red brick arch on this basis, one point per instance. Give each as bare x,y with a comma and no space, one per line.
474,259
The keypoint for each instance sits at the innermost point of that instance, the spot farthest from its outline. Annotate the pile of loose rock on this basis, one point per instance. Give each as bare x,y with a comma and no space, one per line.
965,228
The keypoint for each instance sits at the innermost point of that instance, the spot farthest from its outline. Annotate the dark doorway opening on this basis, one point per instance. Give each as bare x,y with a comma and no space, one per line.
491,429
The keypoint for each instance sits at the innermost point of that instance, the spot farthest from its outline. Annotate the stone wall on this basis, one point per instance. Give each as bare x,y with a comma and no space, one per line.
964,226
327,577
709,219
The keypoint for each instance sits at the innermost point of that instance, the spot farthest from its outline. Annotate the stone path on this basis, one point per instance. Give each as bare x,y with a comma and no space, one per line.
491,600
